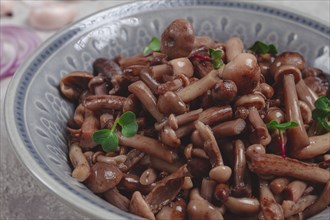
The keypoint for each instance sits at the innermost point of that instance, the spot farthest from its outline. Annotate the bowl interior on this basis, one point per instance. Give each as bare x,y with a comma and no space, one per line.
38,113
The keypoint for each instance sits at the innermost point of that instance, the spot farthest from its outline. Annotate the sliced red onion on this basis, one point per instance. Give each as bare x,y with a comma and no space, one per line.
16,44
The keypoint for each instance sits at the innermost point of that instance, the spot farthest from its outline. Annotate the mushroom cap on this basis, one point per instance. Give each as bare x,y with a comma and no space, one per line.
168,137
139,206
182,66
177,39
73,84
170,102
244,71
250,100
285,70
104,176
224,91
288,58
221,174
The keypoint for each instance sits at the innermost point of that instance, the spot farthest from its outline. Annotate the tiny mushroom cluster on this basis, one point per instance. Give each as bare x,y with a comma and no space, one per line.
193,128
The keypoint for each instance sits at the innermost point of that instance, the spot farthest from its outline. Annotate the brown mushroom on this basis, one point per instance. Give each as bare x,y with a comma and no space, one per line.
207,188
270,164
200,41
81,166
286,68
90,125
175,121
114,197
260,134
148,176
143,93
320,204
244,71
234,47
177,39
175,210
104,176
270,208
172,102
278,185
306,94
224,91
291,208
139,206
148,145
219,171
199,208
229,128
240,188
100,102
74,83
294,190
318,145
209,117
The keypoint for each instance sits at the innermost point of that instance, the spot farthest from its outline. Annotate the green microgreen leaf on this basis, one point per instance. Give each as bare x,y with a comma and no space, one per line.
281,127
262,48
321,112
107,139
275,125
128,124
154,45
216,56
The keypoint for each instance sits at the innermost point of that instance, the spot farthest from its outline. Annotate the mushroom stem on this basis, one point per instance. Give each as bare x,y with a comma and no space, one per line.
239,170
194,90
148,145
295,190
261,132
207,189
114,197
242,206
90,125
144,94
199,208
209,116
270,164
162,165
306,94
297,137
175,121
100,102
81,166
149,81
291,208
318,145
320,204
219,171
278,185
229,128
270,208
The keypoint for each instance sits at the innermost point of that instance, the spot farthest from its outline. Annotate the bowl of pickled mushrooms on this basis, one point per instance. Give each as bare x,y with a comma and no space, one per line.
180,110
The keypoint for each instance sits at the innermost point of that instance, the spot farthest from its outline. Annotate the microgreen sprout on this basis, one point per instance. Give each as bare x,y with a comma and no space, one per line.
281,127
261,48
108,139
321,112
215,56
153,46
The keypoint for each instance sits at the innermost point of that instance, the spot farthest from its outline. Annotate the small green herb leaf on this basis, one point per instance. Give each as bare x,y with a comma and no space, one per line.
154,45
128,124
281,127
107,139
275,125
261,48
216,56
322,111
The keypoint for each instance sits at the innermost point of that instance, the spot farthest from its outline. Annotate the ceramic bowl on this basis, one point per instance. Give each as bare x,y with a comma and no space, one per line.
36,114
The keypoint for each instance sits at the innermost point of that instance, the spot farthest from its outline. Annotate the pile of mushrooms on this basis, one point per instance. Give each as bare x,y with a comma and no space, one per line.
202,150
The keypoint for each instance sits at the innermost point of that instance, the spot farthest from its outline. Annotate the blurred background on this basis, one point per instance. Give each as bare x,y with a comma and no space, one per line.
30,22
